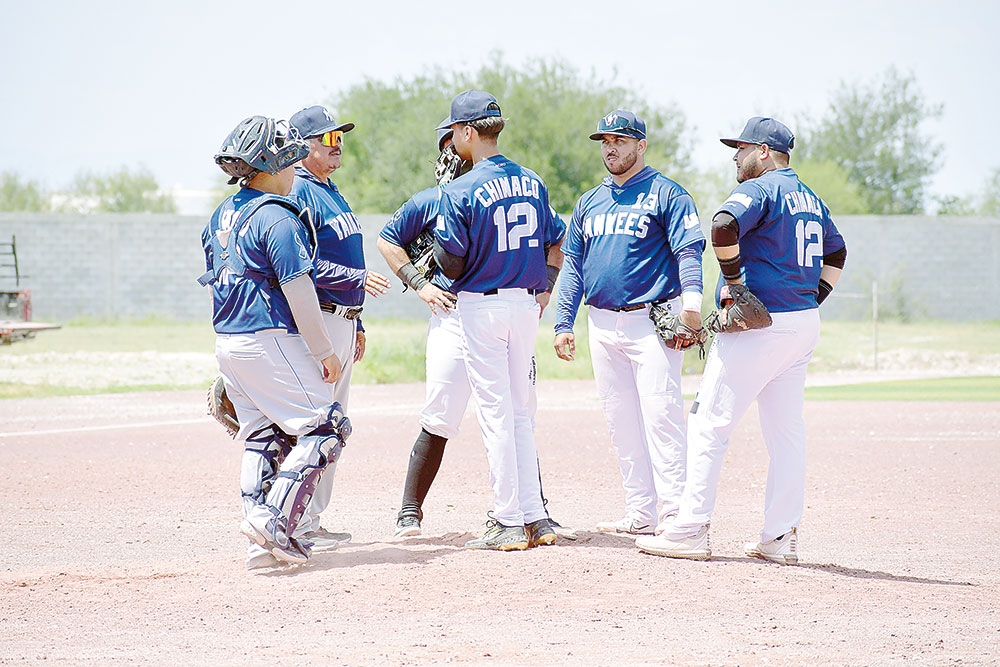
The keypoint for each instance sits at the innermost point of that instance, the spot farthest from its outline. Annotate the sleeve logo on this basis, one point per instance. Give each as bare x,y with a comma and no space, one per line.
739,198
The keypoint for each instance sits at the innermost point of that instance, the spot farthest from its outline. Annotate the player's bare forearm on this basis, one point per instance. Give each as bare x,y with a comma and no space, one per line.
394,255
565,346
830,274
555,257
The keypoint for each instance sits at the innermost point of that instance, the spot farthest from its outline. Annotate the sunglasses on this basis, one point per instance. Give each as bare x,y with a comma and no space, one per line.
331,138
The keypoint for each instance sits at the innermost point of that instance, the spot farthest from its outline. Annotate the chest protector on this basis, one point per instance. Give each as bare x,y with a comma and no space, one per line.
224,231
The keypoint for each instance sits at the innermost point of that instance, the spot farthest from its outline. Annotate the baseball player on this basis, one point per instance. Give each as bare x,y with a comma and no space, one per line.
448,389
340,276
273,350
775,237
498,241
634,243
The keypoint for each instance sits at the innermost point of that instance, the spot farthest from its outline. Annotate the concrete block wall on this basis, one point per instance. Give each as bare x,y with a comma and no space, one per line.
127,265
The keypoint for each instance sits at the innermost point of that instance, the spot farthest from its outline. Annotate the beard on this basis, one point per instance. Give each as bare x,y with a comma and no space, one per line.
624,163
751,168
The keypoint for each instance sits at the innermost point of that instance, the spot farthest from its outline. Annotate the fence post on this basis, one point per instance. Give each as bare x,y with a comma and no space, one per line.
875,323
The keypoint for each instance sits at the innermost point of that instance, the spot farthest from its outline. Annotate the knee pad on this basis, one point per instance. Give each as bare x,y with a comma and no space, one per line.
296,482
265,449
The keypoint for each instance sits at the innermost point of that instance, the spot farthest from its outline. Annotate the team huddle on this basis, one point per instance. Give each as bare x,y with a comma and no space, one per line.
484,249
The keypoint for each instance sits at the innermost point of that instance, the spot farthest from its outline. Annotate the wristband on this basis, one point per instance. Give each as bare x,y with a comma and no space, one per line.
553,272
824,291
409,275
730,268
691,301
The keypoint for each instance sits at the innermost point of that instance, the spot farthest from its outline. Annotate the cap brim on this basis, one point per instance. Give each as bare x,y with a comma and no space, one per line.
343,127
734,143
446,124
596,136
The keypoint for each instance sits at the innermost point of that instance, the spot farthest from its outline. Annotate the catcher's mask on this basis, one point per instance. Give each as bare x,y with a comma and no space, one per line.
259,144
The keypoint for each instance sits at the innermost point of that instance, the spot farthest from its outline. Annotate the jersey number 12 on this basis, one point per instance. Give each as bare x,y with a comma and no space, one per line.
509,232
808,241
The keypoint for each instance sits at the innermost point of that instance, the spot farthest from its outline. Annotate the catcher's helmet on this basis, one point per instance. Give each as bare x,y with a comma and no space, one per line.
258,144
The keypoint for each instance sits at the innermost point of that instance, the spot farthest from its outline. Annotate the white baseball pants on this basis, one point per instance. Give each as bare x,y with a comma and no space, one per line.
768,365
343,335
639,386
498,342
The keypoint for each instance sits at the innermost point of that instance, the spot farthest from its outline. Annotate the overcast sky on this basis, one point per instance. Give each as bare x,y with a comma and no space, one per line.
102,84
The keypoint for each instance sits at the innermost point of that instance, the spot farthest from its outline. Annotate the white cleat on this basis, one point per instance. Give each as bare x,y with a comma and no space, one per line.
695,547
625,526
783,549
322,540
258,558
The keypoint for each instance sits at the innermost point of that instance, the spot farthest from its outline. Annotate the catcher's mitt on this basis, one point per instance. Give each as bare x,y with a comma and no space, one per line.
675,334
421,253
449,166
740,311
220,407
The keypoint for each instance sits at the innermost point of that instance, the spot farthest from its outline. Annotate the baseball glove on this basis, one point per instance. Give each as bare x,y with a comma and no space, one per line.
740,311
220,407
421,253
674,333
448,167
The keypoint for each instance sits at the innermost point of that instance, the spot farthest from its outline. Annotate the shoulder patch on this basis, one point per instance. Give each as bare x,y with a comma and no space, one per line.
739,198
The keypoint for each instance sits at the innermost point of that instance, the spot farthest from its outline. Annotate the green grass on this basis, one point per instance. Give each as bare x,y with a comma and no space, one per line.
984,388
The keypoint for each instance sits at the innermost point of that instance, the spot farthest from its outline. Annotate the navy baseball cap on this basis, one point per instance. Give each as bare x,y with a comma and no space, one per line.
316,120
469,106
443,133
622,123
760,130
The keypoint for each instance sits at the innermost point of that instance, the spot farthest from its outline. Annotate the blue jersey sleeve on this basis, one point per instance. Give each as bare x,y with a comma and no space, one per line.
683,226
558,229
748,203
452,228
832,240
285,244
570,278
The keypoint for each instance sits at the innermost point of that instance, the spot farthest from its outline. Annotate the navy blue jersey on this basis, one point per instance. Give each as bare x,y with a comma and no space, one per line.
339,239
417,215
250,257
785,229
498,217
621,244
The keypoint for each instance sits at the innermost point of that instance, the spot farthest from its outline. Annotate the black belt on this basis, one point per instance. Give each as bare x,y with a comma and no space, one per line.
347,312
629,309
532,292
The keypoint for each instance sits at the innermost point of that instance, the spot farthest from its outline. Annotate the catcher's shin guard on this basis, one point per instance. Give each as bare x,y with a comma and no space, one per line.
295,483
264,451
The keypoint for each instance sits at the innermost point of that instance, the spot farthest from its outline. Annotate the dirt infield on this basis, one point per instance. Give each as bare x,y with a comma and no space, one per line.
120,545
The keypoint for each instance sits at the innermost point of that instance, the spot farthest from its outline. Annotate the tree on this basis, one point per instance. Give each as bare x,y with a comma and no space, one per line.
123,191
872,130
985,202
832,183
18,195
551,106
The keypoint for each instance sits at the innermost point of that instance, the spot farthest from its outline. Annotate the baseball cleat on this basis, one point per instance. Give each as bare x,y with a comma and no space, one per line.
540,533
563,531
499,537
295,552
319,542
252,533
695,547
258,557
625,525
783,549
407,526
